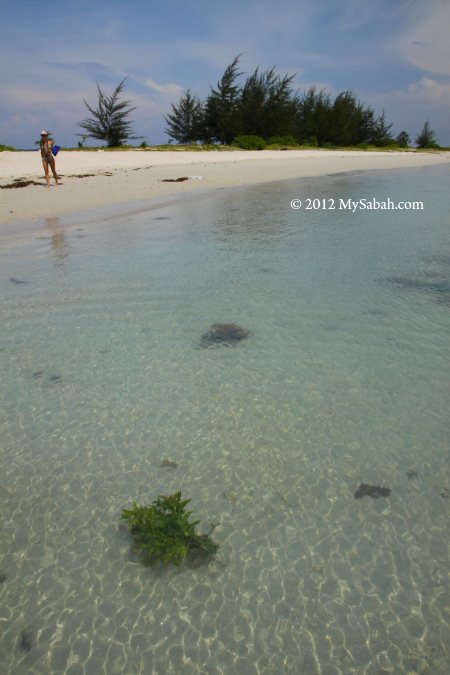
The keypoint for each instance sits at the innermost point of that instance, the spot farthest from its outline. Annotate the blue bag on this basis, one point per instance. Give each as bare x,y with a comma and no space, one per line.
55,149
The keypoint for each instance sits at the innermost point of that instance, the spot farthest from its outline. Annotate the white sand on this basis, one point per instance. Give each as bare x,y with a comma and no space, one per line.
122,177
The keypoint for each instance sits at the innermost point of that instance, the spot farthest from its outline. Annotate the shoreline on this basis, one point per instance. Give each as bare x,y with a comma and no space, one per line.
92,180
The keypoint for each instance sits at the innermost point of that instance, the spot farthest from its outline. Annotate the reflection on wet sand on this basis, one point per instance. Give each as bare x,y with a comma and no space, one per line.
58,241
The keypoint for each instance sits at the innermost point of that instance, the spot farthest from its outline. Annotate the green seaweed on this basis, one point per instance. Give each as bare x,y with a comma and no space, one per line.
162,530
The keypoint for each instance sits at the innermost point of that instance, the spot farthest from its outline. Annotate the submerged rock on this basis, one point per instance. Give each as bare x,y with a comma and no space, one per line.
223,334
168,464
26,640
373,491
13,280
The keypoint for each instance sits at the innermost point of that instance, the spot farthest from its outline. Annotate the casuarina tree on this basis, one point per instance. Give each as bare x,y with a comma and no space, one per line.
222,112
403,139
426,138
185,122
109,120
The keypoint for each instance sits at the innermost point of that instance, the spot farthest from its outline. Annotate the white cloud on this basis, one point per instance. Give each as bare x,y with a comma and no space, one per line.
408,108
170,89
430,90
425,42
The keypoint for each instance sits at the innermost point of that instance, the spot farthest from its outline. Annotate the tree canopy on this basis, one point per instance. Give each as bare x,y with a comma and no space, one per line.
184,124
109,120
267,106
426,138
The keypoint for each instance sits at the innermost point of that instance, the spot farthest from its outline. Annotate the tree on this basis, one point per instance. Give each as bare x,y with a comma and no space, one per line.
185,123
268,105
351,122
403,139
426,138
381,132
109,122
342,121
222,107
312,116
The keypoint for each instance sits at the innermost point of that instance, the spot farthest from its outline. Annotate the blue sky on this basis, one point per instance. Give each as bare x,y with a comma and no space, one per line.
394,55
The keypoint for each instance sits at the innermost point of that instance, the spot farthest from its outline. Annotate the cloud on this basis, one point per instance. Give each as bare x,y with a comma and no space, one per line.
92,68
428,89
425,42
41,97
170,89
408,108
392,54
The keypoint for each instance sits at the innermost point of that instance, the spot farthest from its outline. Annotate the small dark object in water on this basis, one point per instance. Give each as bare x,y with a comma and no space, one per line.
55,378
441,286
231,497
13,280
224,334
169,463
412,473
374,491
376,312
26,640
2,577
438,290
38,373
445,493
174,180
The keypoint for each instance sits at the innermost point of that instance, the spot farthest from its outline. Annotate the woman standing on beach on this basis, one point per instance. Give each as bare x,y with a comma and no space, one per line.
47,157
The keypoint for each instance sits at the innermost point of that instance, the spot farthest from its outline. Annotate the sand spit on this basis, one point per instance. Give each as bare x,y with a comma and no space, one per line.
91,179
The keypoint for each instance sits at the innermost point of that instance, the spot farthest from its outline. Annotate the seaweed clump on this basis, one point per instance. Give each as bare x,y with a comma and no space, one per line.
163,532
223,334
373,491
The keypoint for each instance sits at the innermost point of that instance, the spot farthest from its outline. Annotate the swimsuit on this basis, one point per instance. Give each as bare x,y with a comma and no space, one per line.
46,151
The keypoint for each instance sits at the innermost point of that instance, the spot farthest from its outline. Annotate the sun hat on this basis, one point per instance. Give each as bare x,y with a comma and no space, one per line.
44,133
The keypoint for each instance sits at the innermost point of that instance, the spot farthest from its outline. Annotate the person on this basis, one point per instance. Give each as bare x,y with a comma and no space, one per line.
48,161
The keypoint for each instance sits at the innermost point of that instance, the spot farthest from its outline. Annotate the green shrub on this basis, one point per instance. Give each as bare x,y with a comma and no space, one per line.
250,142
312,142
288,141
5,147
163,532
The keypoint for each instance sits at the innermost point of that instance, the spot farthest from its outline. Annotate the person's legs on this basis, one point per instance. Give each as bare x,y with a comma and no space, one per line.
55,175
47,176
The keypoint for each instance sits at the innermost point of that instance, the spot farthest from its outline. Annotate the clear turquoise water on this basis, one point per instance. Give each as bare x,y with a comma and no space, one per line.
343,381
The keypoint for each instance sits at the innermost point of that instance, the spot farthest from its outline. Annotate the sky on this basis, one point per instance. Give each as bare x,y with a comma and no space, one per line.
393,54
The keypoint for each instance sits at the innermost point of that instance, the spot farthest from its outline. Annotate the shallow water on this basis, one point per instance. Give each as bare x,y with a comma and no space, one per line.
343,380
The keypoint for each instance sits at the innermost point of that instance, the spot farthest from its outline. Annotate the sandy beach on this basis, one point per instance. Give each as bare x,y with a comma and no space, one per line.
91,179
